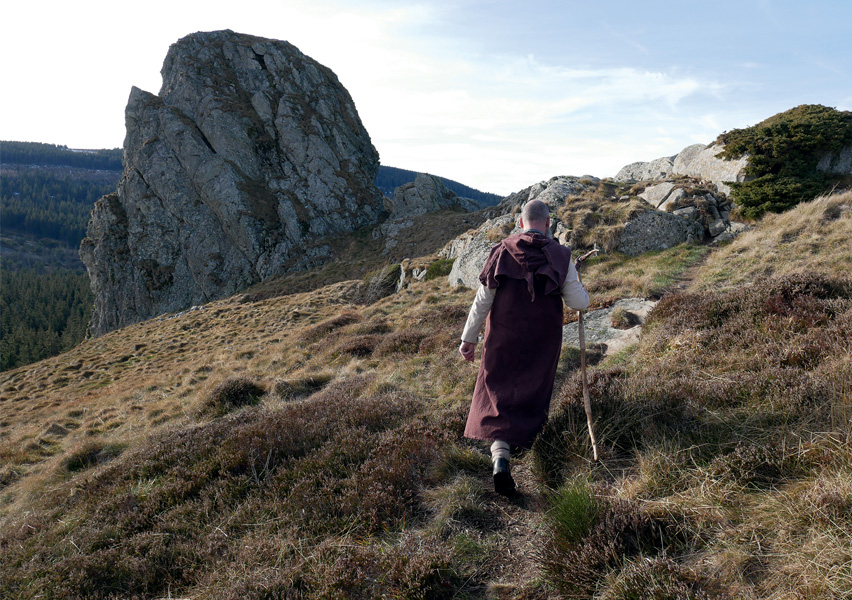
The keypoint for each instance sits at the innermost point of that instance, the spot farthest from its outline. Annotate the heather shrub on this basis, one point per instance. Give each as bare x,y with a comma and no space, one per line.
358,346
757,465
385,488
322,330
233,393
453,316
402,341
576,565
331,466
762,343
90,454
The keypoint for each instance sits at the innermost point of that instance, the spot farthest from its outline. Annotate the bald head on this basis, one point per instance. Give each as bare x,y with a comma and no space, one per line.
535,215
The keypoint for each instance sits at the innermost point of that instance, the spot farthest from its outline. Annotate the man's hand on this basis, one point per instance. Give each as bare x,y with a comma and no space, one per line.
466,350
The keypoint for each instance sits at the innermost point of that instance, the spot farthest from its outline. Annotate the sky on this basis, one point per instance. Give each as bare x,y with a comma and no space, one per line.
497,94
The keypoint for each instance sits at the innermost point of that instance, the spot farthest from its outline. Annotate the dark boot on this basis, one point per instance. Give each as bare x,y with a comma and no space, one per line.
503,482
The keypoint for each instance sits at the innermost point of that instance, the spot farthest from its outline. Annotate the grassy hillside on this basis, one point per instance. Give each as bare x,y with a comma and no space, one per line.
303,446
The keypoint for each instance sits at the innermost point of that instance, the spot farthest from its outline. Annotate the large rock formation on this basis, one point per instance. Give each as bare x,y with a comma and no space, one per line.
423,195
251,155
697,161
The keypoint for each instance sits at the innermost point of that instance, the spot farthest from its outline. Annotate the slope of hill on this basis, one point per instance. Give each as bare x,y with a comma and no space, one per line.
303,446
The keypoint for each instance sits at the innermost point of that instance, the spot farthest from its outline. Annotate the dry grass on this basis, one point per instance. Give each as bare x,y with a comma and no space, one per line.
597,217
814,237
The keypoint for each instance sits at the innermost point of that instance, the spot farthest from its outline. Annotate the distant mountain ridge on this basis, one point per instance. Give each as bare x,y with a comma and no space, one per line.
390,178
40,154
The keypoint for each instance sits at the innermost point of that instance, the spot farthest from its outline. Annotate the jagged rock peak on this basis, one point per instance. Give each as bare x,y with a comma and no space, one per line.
251,155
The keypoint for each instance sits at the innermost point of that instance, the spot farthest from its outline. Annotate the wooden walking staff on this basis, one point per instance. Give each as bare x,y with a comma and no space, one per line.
587,403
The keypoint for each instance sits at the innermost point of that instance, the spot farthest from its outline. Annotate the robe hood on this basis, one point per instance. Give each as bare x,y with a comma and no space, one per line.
525,255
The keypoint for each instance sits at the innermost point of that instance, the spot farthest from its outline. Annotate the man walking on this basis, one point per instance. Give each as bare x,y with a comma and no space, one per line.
523,284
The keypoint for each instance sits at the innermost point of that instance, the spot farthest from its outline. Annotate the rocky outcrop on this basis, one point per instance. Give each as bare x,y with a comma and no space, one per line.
424,195
838,163
697,161
705,212
599,329
644,171
552,192
250,156
471,250
703,164
654,230
708,213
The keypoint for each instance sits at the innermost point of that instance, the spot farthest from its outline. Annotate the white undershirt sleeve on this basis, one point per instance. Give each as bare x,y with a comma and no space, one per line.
478,311
573,292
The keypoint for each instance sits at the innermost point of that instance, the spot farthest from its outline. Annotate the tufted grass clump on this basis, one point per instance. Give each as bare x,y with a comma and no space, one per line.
573,510
90,454
623,427
657,578
233,393
324,329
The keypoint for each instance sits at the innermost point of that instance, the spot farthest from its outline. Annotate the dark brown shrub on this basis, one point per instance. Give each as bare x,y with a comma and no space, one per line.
91,454
386,486
290,389
153,515
234,393
358,346
320,331
756,465
402,341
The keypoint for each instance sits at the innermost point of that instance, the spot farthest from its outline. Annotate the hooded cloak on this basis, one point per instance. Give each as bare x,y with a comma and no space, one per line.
523,339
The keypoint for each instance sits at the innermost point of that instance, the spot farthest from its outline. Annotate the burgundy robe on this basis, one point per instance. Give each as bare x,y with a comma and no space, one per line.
523,339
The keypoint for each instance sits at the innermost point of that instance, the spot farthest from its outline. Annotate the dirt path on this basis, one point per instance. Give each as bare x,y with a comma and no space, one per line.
513,532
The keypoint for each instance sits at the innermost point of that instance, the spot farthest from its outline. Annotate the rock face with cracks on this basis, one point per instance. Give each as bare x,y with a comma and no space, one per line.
248,159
